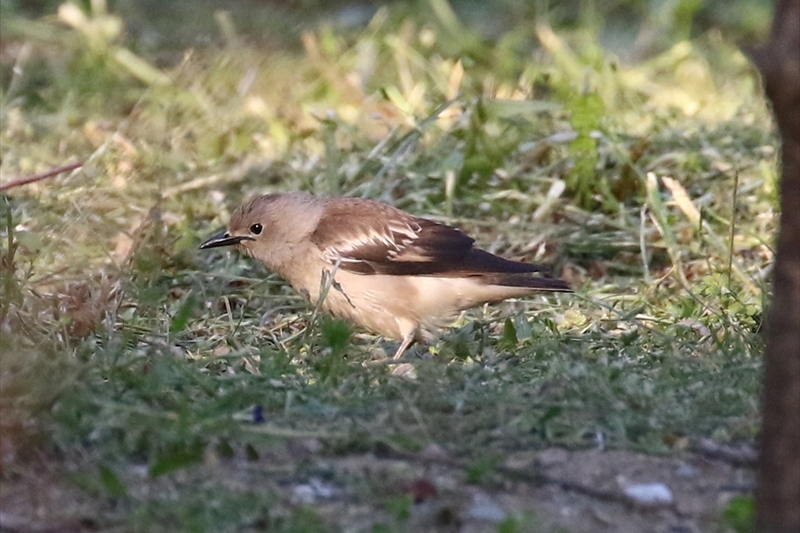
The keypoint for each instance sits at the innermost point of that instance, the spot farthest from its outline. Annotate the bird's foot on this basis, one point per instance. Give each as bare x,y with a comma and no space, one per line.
405,370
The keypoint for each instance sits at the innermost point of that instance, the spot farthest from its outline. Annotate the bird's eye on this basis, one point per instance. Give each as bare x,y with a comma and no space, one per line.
256,229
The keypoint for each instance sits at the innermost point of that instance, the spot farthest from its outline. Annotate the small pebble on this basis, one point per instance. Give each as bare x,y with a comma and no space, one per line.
649,493
308,493
687,470
484,508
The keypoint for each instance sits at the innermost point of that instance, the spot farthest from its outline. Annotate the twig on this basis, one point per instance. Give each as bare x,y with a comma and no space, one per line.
733,224
741,456
643,245
328,281
39,177
538,476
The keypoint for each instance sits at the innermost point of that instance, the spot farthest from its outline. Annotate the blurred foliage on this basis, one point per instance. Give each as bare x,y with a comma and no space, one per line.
739,514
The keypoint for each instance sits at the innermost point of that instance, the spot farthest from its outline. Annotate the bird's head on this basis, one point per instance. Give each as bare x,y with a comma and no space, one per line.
263,226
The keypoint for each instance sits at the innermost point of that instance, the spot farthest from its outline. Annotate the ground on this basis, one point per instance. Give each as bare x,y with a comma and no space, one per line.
147,385
549,490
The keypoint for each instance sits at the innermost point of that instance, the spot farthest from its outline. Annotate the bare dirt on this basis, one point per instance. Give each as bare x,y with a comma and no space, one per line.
549,490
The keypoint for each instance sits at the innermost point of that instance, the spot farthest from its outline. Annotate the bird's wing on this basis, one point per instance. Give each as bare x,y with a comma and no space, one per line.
373,238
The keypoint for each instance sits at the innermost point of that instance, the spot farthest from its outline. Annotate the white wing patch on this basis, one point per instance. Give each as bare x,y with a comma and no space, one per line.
394,237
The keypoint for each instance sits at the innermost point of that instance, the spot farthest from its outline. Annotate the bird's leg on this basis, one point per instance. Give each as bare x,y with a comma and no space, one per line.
408,340
405,370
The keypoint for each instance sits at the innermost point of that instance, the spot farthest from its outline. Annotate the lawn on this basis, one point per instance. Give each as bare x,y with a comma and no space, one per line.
146,385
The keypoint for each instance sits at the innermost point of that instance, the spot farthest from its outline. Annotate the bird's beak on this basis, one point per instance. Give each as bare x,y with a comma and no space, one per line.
224,239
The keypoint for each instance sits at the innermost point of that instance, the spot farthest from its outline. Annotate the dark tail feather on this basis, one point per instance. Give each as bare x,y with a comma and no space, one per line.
482,261
531,282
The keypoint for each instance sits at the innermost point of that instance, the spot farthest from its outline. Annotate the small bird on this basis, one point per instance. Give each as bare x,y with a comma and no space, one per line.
390,272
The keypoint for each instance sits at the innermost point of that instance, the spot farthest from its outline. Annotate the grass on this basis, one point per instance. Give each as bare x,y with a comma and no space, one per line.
167,382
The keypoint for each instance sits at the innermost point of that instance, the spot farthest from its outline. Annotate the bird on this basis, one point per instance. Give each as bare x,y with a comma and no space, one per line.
394,274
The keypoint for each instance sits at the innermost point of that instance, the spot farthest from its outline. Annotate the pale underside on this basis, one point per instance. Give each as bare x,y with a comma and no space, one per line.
421,304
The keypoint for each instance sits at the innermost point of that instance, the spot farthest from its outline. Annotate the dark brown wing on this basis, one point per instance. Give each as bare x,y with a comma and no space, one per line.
373,238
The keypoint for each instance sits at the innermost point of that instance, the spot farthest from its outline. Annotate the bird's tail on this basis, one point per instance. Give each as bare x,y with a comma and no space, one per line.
526,281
